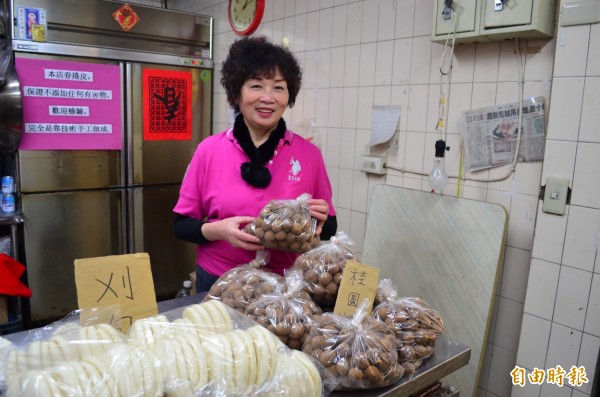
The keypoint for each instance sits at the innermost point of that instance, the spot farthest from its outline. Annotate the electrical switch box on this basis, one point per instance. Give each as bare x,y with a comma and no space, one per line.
555,195
491,20
373,164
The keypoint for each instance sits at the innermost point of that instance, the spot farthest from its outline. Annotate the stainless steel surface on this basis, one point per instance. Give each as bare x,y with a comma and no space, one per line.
165,162
90,27
11,103
62,227
171,259
447,250
133,189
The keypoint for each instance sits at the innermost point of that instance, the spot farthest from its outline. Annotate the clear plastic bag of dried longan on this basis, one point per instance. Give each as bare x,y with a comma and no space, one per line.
288,312
322,268
286,225
242,285
414,322
359,350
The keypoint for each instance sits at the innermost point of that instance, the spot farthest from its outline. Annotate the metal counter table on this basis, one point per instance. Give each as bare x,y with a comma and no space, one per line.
448,357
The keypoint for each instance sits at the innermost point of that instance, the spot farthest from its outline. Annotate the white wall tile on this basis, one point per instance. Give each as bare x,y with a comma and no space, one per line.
352,66
414,153
321,103
343,216
515,273
347,148
332,155
354,26
567,95
381,97
338,55
421,60
417,108
549,238
423,20
588,356
402,61
349,107
340,16
360,192
592,320
312,31
528,390
289,27
581,238
384,63
399,97
535,334
405,18
345,188
370,14
458,100
541,289
539,59
571,50
484,95
365,107
300,33
590,116
358,222
507,331
571,297
559,160
334,179
301,6
563,348
503,361
522,221
486,62
552,390
386,22
323,67
368,57
335,107
593,63
526,178
508,66
463,64
325,27
585,191
484,372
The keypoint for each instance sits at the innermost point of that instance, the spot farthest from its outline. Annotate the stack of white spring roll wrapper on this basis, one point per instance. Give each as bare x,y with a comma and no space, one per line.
207,349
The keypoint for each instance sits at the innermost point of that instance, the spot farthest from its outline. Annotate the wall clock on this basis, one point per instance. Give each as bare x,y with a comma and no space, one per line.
245,15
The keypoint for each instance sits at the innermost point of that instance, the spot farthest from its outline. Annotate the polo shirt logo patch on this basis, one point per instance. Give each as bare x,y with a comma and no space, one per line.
295,170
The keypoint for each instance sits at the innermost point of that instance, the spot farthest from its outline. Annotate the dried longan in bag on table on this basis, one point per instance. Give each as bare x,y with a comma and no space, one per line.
242,285
323,266
287,312
415,323
286,225
359,350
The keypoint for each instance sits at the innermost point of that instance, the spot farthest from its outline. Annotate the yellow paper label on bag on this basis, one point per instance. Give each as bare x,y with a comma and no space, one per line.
117,280
359,281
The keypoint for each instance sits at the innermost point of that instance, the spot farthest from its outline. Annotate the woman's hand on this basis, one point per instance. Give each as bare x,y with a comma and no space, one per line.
319,209
230,230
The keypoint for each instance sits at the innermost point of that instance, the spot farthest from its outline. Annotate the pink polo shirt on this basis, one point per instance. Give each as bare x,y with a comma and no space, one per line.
213,188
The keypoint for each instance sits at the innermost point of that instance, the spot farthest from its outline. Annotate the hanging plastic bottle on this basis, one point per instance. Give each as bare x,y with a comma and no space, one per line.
186,290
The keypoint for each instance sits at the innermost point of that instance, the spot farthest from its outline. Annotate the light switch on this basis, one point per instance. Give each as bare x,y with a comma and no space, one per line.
555,195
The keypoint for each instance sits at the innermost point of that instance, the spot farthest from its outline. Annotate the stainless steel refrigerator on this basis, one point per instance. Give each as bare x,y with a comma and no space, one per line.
89,203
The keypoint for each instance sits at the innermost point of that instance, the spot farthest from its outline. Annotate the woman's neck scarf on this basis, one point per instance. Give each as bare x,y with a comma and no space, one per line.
254,172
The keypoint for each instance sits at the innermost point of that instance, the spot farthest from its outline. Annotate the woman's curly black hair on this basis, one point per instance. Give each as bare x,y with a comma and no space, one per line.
252,57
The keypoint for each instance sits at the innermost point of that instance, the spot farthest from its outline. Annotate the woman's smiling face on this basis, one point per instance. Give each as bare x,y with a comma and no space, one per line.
263,99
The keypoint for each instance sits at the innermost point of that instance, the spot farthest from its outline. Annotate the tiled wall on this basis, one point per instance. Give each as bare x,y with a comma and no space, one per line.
561,319
357,54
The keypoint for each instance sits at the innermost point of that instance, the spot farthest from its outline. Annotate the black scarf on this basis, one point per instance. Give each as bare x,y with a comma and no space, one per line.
254,171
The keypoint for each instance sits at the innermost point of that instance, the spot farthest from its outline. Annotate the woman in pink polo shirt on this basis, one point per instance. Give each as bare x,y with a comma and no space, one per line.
235,173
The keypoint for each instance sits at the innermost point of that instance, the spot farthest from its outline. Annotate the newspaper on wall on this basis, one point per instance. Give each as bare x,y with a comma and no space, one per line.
490,134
